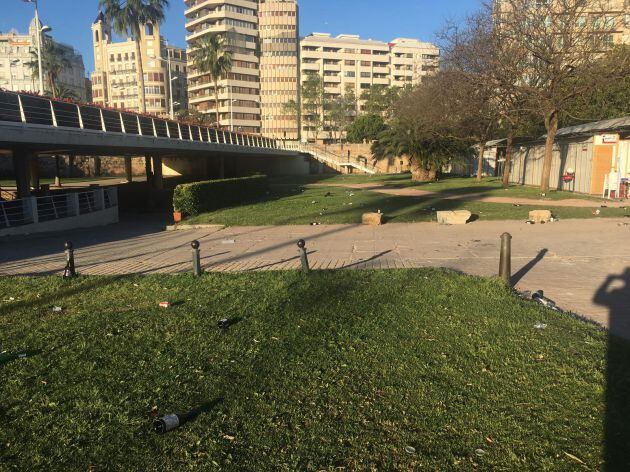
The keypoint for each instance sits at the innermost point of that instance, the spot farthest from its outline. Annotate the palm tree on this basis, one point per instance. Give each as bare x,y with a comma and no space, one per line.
128,17
211,56
63,92
54,61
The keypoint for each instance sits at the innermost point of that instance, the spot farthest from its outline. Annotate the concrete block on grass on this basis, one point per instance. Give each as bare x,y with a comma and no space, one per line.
458,217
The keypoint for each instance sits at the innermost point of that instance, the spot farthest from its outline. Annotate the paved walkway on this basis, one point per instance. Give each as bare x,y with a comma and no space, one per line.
571,260
479,197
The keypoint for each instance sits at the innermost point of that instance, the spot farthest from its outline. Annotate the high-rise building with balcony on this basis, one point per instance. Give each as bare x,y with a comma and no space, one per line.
239,91
279,67
348,63
115,76
18,52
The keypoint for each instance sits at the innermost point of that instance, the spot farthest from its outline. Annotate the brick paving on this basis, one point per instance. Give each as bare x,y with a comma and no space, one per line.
571,259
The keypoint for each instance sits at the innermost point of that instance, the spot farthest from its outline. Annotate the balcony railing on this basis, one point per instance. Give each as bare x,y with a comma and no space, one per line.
33,210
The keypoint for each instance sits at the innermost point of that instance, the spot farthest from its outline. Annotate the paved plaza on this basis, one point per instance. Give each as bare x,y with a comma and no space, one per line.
584,265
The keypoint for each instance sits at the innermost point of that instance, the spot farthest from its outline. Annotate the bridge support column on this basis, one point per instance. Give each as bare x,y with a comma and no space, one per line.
57,171
147,169
21,170
128,173
157,172
97,166
71,165
33,167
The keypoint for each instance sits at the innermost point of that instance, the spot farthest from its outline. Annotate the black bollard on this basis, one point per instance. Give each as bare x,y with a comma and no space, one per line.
303,256
69,271
196,258
505,263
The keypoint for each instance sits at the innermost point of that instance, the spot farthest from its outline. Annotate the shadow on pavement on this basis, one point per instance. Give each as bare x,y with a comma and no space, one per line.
615,295
516,278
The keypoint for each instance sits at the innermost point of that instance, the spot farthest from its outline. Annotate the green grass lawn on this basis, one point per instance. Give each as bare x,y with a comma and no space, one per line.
489,186
293,204
344,370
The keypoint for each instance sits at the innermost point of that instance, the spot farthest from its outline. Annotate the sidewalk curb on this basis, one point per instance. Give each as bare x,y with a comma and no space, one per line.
192,227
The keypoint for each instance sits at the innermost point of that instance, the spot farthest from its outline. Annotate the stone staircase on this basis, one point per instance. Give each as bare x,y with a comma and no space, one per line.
335,161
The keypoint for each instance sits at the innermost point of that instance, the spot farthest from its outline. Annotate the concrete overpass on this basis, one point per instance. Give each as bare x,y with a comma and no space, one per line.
32,126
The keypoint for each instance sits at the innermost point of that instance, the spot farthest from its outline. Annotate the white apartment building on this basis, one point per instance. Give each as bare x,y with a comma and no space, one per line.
239,92
115,76
17,51
349,63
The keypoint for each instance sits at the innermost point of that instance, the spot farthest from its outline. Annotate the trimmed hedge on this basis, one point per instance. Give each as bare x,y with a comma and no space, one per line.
199,197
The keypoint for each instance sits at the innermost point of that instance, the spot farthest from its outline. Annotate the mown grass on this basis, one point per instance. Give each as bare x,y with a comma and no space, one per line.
292,204
332,370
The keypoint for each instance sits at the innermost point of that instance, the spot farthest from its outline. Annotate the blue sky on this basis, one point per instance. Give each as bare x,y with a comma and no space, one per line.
71,19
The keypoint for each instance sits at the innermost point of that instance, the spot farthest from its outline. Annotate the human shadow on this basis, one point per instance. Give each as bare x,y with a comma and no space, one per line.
516,278
615,295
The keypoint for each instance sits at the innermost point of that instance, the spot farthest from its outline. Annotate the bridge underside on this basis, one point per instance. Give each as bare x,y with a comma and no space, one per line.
191,160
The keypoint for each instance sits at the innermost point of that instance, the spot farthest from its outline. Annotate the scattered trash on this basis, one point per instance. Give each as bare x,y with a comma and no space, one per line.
167,423
224,323
10,299
164,304
540,326
228,241
553,219
539,297
328,194
6,357
315,224
530,222
313,202
410,450
379,212
229,438
604,206
576,459
516,205
350,203
154,412
351,194
597,212
543,194
480,452
57,309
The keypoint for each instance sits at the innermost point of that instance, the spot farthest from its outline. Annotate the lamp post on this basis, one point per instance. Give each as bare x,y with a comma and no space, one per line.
170,82
41,30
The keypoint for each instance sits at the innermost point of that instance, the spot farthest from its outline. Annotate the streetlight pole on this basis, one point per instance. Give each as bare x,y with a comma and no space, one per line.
231,110
170,84
39,46
170,81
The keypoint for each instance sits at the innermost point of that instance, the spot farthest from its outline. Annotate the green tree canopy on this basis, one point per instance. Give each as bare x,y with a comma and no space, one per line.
365,128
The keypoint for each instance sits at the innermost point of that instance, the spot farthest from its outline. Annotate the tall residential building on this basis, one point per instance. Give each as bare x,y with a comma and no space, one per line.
349,63
115,76
239,92
608,18
17,51
279,67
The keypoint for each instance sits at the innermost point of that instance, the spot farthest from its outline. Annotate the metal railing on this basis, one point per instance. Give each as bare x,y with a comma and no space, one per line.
34,109
328,157
33,210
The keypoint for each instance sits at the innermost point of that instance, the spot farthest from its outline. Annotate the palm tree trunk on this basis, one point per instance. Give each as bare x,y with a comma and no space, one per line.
142,106
507,165
53,85
216,103
419,172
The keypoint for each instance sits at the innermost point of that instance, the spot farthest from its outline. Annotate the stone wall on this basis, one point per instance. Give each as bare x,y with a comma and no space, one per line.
388,166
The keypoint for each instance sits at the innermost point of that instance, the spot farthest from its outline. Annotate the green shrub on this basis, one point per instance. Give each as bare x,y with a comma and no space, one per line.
199,197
